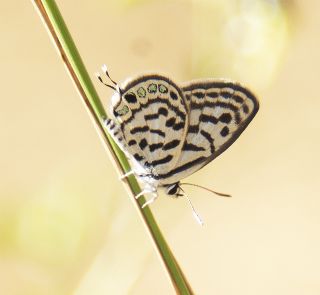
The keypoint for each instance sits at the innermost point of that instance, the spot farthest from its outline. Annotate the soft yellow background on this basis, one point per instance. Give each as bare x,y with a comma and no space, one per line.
66,223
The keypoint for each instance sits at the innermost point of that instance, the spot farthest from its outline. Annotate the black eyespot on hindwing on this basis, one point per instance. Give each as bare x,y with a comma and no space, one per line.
130,97
173,95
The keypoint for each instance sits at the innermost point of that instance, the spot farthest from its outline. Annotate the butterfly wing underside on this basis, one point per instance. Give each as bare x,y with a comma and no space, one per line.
156,124
219,111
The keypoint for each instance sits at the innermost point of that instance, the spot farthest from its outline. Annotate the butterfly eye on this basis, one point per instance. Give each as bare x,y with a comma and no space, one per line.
130,97
172,189
121,112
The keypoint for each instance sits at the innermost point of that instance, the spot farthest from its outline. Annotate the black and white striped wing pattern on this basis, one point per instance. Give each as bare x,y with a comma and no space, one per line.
153,120
219,111
172,131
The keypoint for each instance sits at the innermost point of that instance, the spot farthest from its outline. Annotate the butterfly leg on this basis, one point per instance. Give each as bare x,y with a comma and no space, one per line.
135,173
154,197
127,174
147,190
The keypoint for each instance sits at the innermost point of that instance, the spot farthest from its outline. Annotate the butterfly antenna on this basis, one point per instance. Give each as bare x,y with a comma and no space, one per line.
194,212
207,189
108,85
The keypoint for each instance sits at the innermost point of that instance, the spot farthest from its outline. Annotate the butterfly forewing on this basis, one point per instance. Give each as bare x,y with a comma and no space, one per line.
219,111
156,125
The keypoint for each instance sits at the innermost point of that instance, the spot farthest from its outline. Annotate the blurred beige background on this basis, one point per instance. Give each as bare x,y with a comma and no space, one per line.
66,224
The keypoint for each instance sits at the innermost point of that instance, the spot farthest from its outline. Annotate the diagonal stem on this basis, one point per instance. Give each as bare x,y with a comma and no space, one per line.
53,21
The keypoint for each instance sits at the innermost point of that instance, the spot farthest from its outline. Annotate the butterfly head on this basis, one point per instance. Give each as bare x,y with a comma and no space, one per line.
174,190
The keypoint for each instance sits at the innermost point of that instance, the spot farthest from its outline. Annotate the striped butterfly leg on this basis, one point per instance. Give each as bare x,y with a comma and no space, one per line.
131,172
154,197
148,190
136,174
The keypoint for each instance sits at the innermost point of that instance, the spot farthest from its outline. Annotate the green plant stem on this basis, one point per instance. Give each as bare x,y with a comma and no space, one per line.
61,37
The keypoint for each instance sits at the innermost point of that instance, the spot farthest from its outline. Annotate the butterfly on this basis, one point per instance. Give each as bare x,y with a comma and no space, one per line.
169,131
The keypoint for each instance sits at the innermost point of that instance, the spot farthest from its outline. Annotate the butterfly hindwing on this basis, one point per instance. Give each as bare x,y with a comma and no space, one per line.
154,121
219,110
